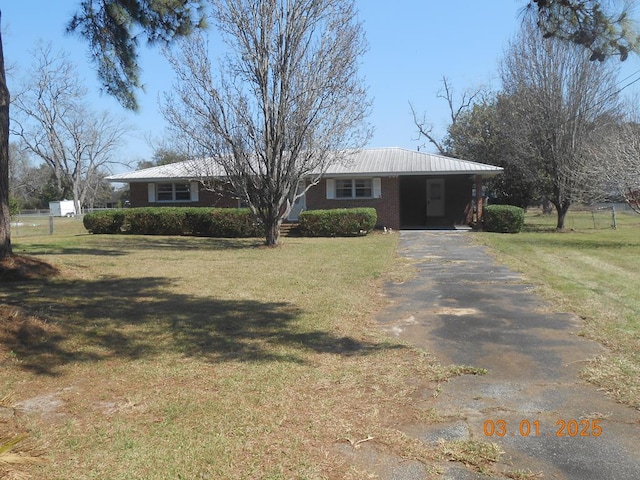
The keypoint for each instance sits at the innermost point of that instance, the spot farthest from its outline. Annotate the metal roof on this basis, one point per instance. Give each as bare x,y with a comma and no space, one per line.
400,161
173,171
379,162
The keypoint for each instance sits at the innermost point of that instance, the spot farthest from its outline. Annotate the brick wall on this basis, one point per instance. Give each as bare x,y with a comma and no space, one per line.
140,198
387,207
457,191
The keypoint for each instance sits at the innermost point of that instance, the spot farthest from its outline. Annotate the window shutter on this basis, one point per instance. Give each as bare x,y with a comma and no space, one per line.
331,188
195,190
151,192
377,188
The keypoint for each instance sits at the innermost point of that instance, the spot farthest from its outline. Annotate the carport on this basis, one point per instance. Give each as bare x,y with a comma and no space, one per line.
439,201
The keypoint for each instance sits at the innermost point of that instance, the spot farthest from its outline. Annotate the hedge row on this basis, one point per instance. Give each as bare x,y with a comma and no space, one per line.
206,222
503,218
341,222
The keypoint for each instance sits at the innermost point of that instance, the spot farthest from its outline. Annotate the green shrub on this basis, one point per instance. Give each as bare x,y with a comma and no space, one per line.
503,218
155,221
109,221
342,222
222,223
200,221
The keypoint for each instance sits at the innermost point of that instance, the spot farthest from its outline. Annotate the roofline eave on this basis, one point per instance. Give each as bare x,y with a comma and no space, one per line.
486,173
116,179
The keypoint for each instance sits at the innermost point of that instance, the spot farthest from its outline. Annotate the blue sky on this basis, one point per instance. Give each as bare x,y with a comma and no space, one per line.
413,43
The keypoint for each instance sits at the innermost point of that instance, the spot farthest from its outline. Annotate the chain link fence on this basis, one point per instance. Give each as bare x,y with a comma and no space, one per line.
40,223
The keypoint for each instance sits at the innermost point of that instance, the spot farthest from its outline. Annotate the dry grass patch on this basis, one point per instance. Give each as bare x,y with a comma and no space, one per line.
20,267
523,474
18,451
17,448
473,453
618,375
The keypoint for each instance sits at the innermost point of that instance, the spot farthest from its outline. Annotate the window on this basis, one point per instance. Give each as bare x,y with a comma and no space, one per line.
344,188
363,188
354,188
174,192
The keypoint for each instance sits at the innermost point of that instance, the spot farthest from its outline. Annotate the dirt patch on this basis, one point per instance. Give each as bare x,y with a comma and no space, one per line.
19,267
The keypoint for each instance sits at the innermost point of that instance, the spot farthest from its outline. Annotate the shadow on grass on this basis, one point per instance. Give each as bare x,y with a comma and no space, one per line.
46,249
118,245
140,318
165,242
535,228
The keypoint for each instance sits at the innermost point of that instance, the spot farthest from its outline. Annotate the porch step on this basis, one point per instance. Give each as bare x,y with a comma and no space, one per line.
289,229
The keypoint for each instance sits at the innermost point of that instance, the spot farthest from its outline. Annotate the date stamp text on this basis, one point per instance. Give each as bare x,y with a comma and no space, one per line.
534,428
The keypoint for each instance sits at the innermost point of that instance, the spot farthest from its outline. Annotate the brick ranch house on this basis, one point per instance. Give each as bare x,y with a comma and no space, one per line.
408,189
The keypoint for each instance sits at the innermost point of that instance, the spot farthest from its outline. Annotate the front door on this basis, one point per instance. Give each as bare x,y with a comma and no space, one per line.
435,197
299,205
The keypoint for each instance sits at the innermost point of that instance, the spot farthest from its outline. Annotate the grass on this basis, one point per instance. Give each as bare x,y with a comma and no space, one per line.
479,455
171,357
592,272
523,474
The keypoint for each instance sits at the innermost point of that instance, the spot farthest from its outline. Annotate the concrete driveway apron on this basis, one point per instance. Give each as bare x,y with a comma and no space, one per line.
466,309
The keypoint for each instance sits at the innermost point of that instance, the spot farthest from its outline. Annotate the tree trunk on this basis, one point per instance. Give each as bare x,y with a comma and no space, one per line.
547,206
272,232
5,214
77,199
562,208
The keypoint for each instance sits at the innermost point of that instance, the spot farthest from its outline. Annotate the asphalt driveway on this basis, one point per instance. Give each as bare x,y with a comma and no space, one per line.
465,308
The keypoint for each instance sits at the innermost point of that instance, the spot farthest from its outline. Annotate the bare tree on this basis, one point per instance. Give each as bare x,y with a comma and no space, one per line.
54,123
19,173
558,102
284,105
33,187
99,192
457,107
619,151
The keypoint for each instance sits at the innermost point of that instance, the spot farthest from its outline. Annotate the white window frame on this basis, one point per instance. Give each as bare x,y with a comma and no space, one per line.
192,190
333,183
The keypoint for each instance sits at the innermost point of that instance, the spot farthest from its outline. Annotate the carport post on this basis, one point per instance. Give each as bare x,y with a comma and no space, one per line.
479,202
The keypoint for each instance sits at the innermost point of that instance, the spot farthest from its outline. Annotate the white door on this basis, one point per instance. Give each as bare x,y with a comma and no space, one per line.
435,197
299,205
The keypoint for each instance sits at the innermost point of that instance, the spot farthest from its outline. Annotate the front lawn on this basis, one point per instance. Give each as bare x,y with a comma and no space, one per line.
592,272
172,357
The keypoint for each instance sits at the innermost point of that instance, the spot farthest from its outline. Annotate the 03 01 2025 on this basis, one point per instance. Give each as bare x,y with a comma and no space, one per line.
526,428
